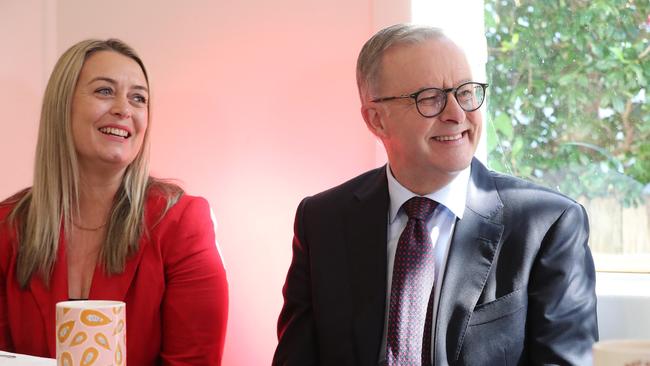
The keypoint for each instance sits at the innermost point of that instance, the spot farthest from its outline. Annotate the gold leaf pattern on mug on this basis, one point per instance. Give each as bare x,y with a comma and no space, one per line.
89,356
119,327
66,359
117,309
102,341
118,355
93,318
78,338
64,331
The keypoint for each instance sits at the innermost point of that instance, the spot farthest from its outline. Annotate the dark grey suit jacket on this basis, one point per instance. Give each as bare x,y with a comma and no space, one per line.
518,287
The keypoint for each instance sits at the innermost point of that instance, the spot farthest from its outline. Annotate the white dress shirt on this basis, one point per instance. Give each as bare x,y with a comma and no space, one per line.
451,205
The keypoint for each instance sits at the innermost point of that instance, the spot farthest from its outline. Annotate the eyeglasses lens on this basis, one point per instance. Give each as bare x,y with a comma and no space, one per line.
431,101
470,96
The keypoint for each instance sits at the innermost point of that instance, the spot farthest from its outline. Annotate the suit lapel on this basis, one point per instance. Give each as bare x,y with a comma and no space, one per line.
366,225
475,241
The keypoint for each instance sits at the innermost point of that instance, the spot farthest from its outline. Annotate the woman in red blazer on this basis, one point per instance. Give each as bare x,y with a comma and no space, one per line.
95,225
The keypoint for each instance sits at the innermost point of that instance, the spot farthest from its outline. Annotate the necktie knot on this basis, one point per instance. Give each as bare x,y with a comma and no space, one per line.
419,208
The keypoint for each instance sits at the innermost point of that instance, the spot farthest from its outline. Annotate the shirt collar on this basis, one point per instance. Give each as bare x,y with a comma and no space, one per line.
453,196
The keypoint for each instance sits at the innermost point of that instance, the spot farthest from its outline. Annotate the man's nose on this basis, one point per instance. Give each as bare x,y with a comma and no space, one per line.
452,111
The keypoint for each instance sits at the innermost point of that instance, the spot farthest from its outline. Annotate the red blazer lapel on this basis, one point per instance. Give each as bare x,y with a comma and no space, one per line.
103,287
47,297
115,287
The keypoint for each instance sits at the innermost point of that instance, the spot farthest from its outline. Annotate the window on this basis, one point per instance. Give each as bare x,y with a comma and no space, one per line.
567,108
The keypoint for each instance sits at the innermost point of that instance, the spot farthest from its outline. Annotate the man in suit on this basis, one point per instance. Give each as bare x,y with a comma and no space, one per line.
434,259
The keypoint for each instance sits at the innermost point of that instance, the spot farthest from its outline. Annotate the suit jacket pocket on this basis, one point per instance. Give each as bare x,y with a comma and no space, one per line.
499,308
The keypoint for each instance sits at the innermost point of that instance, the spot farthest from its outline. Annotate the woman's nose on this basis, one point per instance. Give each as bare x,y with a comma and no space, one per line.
121,108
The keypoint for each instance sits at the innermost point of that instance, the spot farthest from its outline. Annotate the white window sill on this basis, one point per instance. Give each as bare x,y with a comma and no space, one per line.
623,305
623,284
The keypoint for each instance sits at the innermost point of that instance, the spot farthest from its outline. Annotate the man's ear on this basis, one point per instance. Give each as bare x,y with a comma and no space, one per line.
374,120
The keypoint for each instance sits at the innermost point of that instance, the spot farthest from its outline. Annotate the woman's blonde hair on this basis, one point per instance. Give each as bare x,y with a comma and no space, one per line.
41,211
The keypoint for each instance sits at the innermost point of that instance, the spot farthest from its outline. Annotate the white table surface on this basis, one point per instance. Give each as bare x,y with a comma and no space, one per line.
15,359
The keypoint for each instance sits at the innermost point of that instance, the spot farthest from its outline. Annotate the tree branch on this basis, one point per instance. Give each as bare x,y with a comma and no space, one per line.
628,130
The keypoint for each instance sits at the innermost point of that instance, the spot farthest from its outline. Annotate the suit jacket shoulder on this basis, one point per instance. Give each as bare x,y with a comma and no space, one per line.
510,187
357,186
336,285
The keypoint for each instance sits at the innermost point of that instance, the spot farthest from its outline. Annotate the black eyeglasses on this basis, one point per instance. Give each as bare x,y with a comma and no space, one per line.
430,102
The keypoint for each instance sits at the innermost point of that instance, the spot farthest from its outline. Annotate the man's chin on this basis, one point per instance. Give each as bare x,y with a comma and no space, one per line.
453,166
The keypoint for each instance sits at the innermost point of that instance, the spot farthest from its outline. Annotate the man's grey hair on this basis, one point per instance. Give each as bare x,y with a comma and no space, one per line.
369,61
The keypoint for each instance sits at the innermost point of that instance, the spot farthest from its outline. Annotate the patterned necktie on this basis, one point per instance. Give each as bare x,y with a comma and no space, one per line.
409,314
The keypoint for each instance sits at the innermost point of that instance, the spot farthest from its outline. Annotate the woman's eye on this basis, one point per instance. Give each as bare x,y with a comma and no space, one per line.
104,91
140,98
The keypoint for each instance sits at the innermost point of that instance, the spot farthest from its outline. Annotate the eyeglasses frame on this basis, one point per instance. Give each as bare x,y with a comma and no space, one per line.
415,95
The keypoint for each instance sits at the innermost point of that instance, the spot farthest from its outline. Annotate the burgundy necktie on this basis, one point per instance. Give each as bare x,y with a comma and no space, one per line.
409,314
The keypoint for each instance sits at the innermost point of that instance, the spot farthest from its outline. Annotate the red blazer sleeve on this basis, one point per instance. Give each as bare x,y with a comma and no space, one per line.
5,338
195,305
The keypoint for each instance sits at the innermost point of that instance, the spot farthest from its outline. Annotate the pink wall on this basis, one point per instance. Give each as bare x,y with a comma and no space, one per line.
21,89
255,106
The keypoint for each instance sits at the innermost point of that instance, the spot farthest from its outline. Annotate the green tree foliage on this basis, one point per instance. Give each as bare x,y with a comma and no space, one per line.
568,100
